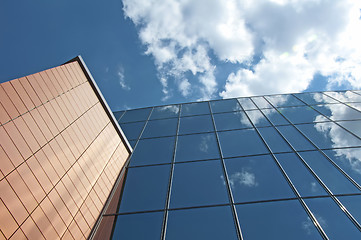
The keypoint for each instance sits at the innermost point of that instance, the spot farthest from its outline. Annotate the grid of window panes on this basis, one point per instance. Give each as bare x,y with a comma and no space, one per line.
268,167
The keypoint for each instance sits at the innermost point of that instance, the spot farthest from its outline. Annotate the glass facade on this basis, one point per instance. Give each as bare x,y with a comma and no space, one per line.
267,167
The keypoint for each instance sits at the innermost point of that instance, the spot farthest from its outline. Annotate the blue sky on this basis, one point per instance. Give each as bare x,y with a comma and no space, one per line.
154,52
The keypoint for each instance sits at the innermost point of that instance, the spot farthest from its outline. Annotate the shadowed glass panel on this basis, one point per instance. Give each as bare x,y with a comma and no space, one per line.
258,118
284,100
153,151
275,117
227,105
195,109
165,112
196,124
276,220
232,120
302,114
241,143
145,189
256,178
305,183
132,130
315,98
295,138
349,160
329,135
338,112
138,226
261,102
352,203
197,184
331,218
197,147
247,103
160,128
329,175
135,115
274,140
132,143
118,115
201,223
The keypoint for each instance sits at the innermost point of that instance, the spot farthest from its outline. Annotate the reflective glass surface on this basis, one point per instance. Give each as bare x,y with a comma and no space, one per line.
331,218
258,118
273,220
274,140
145,189
141,226
160,128
198,184
153,151
227,105
256,178
132,143
357,106
165,112
241,143
299,175
352,204
301,114
353,126
275,117
347,96
135,115
338,112
195,109
284,100
196,124
246,103
117,115
261,102
211,223
197,147
232,120
132,130
329,175
315,98
295,138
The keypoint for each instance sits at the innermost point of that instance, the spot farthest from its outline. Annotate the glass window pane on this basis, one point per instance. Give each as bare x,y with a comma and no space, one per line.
329,135
329,175
275,117
284,100
197,184
314,98
118,115
256,178
227,105
160,128
295,138
132,130
274,140
347,96
153,151
132,143
258,118
241,143
196,124
333,221
139,226
201,223
357,106
352,203
145,189
302,114
165,112
352,126
338,112
135,115
233,120
349,160
197,147
301,178
261,102
195,108
246,103
272,220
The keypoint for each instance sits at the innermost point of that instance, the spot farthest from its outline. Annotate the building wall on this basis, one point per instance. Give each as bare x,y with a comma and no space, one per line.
60,155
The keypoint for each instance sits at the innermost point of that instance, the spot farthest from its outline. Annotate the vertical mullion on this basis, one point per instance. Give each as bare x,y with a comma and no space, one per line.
230,195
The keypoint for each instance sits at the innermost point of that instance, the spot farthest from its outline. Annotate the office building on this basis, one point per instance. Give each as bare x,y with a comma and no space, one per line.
267,167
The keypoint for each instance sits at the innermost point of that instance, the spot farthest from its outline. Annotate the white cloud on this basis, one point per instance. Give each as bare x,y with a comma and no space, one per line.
121,78
295,38
245,178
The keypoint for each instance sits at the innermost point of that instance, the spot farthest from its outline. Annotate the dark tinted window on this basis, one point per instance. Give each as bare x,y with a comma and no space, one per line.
135,115
233,120
227,105
195,109
196,124
165,112
160,128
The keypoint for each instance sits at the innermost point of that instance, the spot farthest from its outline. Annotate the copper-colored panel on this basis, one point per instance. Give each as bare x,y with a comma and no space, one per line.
38,171
59,123
44,224
35,129
53,216
75,231
75,136
7,222
78,69
77,183
26,133
80,134
79,100
82,224
68,139
48,82
66,150
37,88
10,91
54,160
72,82
70,186
73,105
12,202
54,81
31,181
81,128
71,73
83,95
8,104
48,169
88,215
83,178
64,108
48,120
62,79
18,235
59,112
105,228
68,197
113,205
4,116
60,154
22,191
42,125
31,230
69,105
30,91
60,207
40,84
6,166
97,203
22,93
67,235
60,82
18,140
